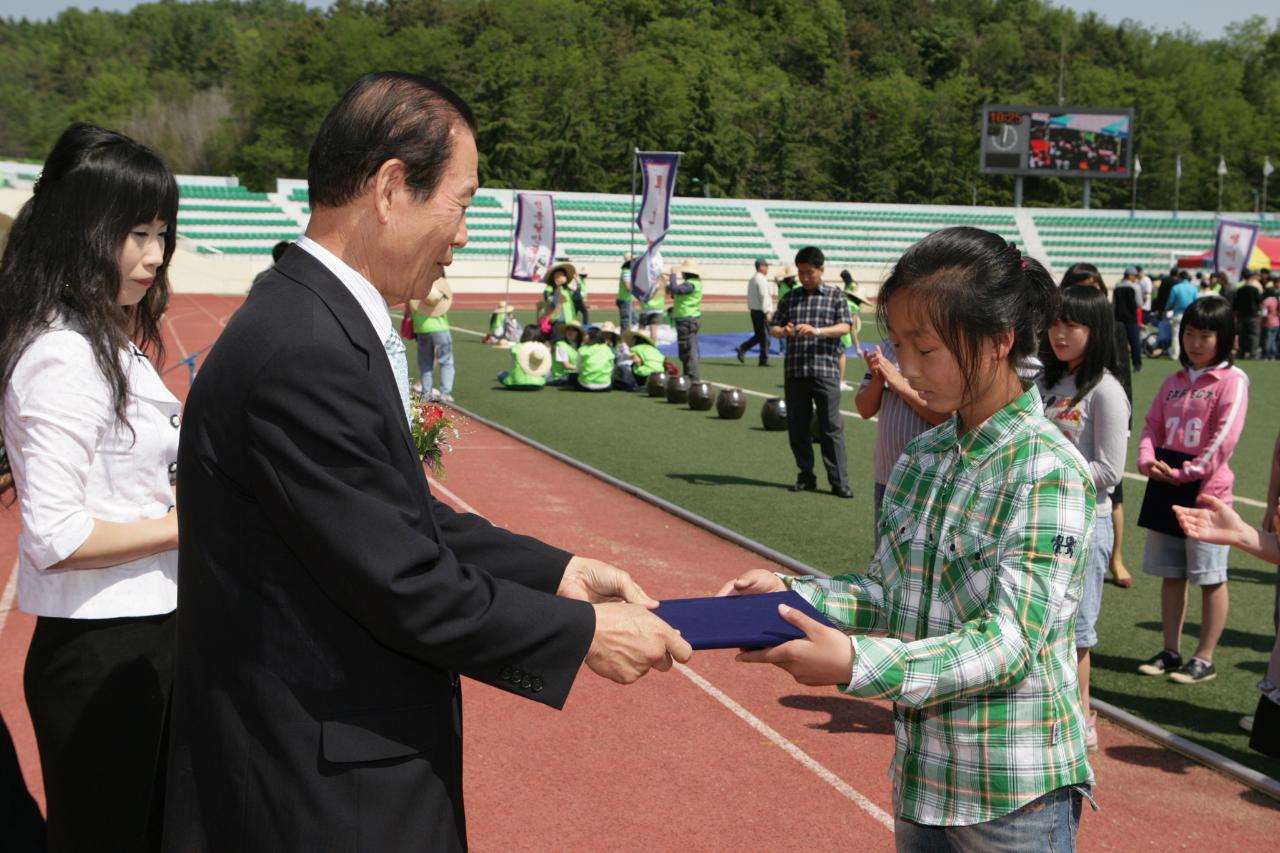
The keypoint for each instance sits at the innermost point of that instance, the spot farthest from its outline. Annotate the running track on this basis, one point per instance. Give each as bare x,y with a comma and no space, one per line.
715,756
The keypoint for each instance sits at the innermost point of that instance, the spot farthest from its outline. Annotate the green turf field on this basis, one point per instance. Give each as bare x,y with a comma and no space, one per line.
736,474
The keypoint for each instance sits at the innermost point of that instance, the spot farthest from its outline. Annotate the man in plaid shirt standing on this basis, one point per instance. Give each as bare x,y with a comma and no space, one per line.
812,318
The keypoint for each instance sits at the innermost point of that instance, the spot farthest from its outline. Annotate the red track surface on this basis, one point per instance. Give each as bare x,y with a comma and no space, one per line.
665,764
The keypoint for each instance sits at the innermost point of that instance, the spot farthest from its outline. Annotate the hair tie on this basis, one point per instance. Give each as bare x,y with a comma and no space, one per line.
1022,262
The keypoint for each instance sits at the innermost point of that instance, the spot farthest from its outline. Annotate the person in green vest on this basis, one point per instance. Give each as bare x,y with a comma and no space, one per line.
564,354
627,311
654,309
435,343
557,302
499,325
850,338
578,295
595,362
685,285
644,360
530,363
788,282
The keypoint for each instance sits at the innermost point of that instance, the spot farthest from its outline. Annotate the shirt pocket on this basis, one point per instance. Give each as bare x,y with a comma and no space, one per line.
968,573
897,531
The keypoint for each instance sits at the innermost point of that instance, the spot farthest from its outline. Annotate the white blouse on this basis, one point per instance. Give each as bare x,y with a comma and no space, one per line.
73,462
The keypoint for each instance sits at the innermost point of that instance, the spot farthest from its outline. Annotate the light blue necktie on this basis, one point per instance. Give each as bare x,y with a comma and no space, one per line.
399,366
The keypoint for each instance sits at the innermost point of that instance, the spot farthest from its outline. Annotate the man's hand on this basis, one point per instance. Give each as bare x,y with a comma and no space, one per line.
595,581
630,641
753,582
823,657
804,330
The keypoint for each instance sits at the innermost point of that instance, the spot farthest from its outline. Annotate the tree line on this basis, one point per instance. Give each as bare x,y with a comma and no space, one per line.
842,100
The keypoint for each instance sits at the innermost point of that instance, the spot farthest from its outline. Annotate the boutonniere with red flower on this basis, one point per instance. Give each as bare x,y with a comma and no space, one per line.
433,431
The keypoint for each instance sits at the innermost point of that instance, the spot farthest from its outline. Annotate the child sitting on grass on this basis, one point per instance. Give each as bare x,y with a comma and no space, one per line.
595,362
530,363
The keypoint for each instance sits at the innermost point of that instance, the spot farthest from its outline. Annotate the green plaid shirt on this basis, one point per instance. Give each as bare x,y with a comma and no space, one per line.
972,596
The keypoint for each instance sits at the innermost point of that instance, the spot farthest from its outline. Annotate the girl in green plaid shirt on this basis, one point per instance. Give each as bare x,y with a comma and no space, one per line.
965,617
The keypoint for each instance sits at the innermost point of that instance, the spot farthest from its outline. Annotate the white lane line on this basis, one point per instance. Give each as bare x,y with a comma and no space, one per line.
10,592
750,719
855,416
439,488
882,817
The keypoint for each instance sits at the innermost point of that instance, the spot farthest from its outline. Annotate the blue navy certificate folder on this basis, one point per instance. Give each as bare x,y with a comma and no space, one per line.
736,621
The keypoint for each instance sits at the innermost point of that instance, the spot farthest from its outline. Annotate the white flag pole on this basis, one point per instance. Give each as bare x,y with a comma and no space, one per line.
1133,200
1222,171
1177,183
1267,169
511,250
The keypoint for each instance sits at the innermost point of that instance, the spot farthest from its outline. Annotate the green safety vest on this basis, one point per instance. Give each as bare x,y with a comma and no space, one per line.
657,303
785,287
595,364
688,304
562,348
422,324
624,286
651,360
516,376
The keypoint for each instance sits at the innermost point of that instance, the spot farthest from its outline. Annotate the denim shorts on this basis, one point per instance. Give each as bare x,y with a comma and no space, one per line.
1095,576
1049,822
1170,557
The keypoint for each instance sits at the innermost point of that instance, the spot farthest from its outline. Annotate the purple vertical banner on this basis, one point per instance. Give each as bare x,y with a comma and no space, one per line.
658,181
534,246
1232,248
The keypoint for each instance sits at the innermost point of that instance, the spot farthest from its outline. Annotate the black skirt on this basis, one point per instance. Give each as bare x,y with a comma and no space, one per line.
98,692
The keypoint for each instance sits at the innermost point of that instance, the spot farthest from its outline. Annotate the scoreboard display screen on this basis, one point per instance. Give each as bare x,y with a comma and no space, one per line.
1070,142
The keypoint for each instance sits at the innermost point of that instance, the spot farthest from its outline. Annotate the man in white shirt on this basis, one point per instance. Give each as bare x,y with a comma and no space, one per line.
760,304
1145,287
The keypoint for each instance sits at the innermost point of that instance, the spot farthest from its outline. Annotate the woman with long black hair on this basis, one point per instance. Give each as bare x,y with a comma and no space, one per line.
90,438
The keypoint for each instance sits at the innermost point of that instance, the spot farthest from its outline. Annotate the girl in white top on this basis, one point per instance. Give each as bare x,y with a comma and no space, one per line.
89,445
1085,400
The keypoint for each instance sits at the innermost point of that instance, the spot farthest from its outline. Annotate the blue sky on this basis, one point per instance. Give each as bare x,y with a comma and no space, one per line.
1205,18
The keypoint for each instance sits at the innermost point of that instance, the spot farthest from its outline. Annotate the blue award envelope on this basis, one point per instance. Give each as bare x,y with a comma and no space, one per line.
736,621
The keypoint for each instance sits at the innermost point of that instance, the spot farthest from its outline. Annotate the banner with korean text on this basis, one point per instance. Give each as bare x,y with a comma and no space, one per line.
534,246
1232,248
658,180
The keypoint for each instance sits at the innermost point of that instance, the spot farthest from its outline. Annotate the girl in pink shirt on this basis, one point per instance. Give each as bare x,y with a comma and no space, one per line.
1199,411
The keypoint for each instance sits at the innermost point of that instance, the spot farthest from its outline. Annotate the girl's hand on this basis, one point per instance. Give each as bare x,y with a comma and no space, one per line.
823,657
753,582
1160,470
1212,521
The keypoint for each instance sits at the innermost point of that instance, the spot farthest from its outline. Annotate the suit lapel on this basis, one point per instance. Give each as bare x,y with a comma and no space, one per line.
307,270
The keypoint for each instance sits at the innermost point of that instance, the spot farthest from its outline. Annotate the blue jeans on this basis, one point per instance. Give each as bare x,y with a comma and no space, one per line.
1271,343
1047,824
628,315
432,347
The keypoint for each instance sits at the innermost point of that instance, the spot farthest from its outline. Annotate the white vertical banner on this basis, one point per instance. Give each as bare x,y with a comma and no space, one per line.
658,180
1137,167
535,236
1177,167
1222,165
1233,246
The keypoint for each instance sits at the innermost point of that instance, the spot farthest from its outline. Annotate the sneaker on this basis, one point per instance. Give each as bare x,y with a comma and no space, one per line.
1246,723
1091,733
804,485
434,396
1194,672
446,398
417,387
1162,663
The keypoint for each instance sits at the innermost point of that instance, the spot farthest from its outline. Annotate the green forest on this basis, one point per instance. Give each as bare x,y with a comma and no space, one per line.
842,100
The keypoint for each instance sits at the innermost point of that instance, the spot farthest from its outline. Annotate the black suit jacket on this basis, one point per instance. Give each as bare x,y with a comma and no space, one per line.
326,600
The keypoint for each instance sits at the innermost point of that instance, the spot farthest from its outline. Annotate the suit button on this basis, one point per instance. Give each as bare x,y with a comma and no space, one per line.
527,682
175,421
173,467
537,685
506,673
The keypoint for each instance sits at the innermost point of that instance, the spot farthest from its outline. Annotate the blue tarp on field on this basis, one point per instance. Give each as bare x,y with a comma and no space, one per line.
726,345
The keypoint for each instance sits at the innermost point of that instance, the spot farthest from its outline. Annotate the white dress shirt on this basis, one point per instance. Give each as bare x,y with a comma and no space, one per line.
73,462
371,301
758,297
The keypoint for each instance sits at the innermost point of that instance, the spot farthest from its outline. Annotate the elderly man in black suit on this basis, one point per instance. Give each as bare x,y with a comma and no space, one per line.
328,603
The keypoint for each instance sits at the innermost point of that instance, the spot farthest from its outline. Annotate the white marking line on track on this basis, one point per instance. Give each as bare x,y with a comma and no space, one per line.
439,488
881,816
10,592
855,416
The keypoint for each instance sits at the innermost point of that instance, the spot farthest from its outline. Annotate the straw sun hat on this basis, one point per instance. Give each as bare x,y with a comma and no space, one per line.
534,358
